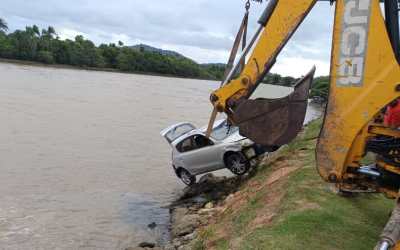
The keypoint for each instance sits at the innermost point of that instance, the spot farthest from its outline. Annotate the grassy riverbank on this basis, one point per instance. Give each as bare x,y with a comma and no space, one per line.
288,206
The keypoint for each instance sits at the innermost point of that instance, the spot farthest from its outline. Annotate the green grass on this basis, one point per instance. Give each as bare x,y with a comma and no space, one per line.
248,213
337,222
222,244
310,215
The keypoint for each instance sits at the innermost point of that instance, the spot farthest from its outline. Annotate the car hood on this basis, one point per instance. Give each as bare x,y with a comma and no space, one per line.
234,138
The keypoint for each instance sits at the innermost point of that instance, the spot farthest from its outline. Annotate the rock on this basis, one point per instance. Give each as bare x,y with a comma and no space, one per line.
176,243
169,247
152,225
177,214
190,237
207,178
133,248
206,211
230,197
199,200
207,183
204,220
186,225
184,248
209,205
210,178
147,245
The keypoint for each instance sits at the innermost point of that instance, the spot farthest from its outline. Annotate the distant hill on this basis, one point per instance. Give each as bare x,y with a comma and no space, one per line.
211,70
148,48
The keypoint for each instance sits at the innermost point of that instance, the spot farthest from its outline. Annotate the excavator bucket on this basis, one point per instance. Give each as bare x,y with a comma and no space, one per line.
274,122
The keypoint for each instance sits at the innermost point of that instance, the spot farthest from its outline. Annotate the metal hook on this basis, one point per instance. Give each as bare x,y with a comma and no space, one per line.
248,5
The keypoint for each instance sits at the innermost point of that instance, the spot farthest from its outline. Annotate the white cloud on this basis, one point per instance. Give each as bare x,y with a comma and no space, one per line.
299,66
200,29
66,33
201,55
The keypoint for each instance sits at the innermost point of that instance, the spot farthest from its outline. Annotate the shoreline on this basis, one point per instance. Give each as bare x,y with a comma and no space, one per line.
194,209
85,68
111,70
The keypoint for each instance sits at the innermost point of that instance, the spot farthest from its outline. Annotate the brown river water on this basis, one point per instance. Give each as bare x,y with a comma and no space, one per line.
82,164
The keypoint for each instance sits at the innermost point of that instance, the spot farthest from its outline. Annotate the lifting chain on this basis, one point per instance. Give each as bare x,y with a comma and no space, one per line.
248,3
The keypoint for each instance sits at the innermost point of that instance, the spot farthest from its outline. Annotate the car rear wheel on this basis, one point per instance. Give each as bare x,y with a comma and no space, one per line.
187,178
237,163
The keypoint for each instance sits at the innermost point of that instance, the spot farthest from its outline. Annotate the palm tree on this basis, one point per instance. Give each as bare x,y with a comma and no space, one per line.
3,25
51,31
35,30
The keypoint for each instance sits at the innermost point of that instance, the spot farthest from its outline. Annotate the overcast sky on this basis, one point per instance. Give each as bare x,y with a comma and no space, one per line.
200,29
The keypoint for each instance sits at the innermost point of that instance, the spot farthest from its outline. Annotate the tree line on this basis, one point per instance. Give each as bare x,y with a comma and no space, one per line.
45,46
319,87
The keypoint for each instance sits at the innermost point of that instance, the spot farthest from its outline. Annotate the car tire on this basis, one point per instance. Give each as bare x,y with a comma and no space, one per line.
186,177
237,163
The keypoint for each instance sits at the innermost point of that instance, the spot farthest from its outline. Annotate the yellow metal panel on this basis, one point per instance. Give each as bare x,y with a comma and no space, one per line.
356,94
287,16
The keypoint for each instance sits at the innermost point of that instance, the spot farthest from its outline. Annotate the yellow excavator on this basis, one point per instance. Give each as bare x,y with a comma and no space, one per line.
364,79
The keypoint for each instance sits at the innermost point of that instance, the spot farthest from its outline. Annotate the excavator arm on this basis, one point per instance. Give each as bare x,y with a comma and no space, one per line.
268,122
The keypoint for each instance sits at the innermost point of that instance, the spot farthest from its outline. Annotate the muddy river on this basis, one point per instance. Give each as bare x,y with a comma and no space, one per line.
82,165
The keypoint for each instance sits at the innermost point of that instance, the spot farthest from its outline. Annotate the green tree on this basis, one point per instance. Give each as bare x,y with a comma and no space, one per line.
46,47
34,29
3,25
320,88
25,43
51,31
110,54
45,57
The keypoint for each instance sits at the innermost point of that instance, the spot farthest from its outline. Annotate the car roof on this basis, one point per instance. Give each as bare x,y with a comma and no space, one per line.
196,131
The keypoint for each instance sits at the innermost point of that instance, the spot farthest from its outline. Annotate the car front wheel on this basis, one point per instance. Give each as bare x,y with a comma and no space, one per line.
237,164
187,178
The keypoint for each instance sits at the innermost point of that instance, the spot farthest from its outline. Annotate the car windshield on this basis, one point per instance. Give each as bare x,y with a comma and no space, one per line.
223,130
173,134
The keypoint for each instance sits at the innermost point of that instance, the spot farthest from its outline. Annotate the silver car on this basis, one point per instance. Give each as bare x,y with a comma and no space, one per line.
193,153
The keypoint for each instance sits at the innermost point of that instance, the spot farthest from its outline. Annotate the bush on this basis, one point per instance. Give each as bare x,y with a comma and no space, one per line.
45,57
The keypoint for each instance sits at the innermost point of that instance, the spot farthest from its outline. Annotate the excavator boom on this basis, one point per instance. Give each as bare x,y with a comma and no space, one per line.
268,122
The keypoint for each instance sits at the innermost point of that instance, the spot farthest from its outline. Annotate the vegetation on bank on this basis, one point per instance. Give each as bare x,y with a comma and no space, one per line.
287,206
319,88
44,46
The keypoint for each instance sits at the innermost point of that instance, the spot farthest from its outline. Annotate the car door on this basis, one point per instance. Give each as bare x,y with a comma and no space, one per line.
187,155
206,156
